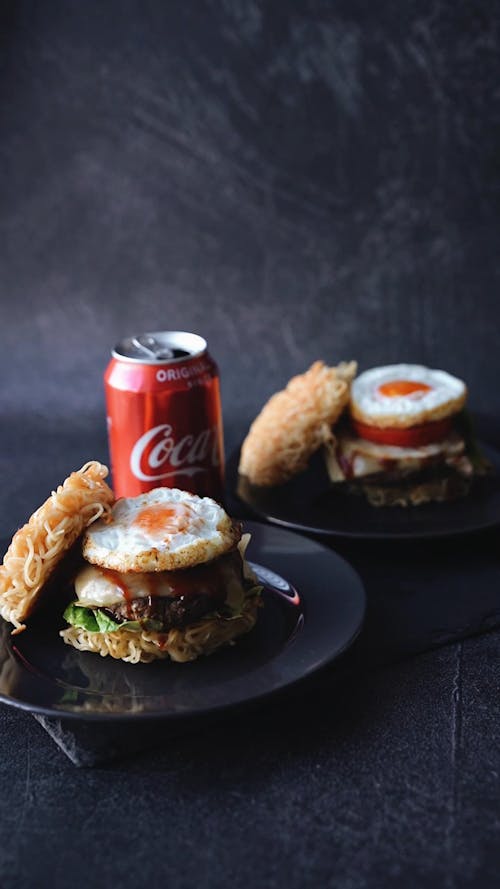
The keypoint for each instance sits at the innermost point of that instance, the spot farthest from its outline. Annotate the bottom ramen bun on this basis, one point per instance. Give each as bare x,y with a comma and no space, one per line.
402,395
162,530
39,546
180,644
130,606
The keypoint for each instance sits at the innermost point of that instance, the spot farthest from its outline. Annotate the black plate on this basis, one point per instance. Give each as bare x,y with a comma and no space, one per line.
310,503
314,608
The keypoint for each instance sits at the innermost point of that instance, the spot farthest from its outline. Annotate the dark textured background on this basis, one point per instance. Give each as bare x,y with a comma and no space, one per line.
293,181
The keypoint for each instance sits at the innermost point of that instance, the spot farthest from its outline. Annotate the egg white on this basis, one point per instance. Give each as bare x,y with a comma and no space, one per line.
202,516
366,399
199,530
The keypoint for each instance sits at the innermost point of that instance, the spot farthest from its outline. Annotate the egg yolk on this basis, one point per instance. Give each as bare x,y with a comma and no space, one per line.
396,388
163,520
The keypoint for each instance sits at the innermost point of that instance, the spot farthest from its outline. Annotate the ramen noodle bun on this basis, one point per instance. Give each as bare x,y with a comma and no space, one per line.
295,423
402,395
166,577
38,547
181,645
163,530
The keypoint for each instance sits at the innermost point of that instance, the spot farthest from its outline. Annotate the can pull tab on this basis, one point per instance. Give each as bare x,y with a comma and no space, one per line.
151,347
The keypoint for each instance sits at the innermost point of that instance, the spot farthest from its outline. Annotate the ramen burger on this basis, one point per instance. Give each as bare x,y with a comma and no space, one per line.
403,443
165,576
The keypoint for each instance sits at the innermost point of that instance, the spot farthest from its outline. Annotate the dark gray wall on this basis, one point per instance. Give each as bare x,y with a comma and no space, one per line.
292,180
317,178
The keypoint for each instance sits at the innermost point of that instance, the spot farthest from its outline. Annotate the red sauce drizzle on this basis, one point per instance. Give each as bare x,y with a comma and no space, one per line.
345,465
117,579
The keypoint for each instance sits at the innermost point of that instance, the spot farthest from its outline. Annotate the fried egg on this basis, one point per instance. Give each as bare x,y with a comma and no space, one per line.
163,530
401,395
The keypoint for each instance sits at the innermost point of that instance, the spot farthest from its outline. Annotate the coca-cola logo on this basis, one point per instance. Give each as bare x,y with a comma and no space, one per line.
157,454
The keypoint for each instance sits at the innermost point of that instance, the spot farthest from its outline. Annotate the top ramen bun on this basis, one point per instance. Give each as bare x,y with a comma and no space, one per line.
295,423
38,547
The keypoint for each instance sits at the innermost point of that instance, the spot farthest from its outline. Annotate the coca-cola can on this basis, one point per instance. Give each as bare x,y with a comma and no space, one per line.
164,415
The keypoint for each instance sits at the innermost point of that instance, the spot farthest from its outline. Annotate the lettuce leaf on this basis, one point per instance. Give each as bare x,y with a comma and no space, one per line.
94,620
81,617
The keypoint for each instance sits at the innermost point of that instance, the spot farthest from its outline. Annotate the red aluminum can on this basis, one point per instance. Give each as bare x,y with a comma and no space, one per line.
164,415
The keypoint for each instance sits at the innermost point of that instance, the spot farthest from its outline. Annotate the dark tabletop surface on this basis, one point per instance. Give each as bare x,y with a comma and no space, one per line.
292,181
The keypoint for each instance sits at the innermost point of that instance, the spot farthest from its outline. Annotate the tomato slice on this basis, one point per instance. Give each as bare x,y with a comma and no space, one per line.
409,437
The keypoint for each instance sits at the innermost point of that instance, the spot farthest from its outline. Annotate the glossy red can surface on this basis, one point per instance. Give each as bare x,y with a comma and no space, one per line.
164,416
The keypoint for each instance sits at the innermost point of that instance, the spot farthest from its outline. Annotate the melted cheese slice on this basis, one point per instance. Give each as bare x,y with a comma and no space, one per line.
222,579
100,587
353,457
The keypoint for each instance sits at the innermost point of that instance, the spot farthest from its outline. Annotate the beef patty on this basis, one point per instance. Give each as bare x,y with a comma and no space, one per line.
169,612
184,608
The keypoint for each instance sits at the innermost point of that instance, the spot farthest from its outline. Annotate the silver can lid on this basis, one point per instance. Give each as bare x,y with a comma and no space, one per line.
160,347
